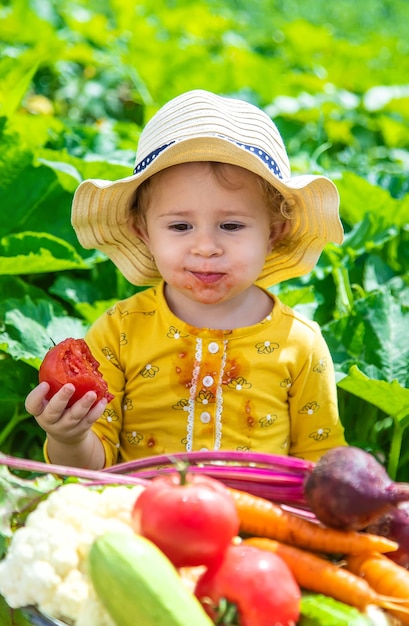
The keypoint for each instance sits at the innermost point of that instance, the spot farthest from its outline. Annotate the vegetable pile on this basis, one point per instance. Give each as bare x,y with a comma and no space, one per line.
199,538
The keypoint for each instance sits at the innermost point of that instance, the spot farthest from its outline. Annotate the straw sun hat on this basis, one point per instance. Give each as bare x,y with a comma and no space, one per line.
201,126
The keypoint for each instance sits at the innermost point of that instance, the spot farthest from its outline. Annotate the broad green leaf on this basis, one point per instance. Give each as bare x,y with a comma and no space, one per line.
370,234
14,159
67,175
373,335
395,132
20,495
386,323
360,199
17,379
376,273
91,312
98,167
11,98
103,283
390,397
22,200
32,253
30,328
303,299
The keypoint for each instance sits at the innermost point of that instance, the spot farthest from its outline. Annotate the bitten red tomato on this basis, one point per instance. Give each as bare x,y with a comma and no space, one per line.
71,361
191,518
258,582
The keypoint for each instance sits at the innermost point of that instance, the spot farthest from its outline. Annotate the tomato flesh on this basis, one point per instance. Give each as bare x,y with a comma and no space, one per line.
191,523
258,582
71,361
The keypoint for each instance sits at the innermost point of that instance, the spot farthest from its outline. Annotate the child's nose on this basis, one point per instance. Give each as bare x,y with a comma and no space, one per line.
206,244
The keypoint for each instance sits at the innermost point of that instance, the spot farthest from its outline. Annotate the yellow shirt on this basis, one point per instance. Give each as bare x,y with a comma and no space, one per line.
269,387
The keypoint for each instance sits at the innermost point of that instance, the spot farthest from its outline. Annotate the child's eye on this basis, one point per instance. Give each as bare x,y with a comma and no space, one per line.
232,226
180,226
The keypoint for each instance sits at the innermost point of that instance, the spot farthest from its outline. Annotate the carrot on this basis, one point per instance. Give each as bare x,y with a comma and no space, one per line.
384,575
263,518
317,574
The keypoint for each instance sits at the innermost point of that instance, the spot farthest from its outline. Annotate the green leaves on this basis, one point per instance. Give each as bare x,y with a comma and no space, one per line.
18,84
31,327
372,335
389,397
31,252
18,496
78,82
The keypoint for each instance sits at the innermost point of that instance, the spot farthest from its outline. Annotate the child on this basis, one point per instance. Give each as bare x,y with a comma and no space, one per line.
206,358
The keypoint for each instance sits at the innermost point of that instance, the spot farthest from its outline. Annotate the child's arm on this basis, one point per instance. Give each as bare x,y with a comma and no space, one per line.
315,421
70,440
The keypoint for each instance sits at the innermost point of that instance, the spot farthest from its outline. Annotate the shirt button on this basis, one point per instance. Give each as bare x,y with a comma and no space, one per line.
205,417
213,347
203,449
208,381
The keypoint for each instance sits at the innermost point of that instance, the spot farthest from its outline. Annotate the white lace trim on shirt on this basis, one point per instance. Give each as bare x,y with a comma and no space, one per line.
193,393
219,401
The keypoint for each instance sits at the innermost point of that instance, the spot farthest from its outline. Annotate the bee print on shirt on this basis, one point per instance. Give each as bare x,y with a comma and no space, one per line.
267,421
175,333
321,434
181,405
133,437
204,397
110,356
109,415
112,310
239,384
320,367
286,383
310,408
149,371
127,404
266,347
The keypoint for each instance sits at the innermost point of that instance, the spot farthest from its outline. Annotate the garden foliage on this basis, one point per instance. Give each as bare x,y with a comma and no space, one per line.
78,79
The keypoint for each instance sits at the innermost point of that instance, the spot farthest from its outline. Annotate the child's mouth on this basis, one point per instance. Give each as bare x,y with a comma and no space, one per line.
208,277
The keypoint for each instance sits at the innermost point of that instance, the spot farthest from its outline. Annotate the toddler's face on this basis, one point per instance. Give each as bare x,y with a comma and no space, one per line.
209,234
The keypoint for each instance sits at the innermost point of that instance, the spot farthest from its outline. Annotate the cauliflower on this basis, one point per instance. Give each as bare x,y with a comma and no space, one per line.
46,561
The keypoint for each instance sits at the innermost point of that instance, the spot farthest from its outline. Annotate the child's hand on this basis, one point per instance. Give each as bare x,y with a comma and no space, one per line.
64,425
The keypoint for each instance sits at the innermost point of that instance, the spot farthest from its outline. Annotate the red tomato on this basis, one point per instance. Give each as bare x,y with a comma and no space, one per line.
258,582
191,521
71,361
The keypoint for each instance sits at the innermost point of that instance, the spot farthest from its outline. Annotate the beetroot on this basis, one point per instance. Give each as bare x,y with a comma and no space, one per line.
349,489
394,524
